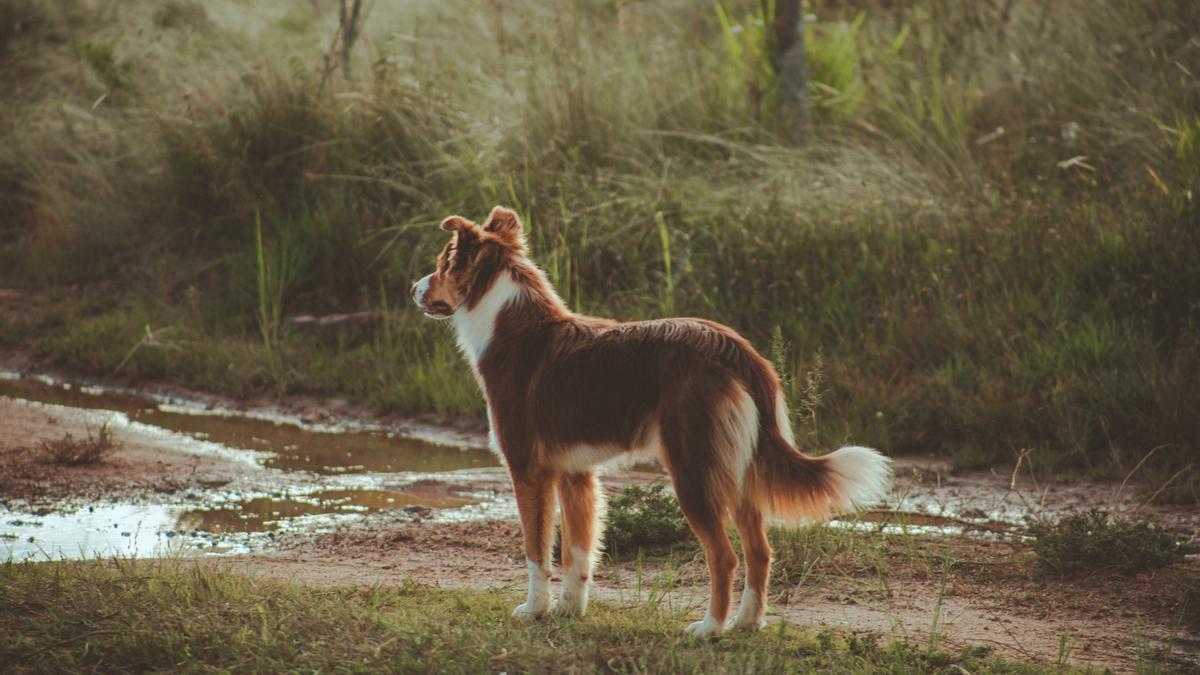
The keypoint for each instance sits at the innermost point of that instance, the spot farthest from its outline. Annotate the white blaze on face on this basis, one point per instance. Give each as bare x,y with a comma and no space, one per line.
475,326
420,289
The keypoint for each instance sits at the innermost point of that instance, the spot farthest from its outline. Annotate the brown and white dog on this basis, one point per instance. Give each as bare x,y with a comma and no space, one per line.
567,393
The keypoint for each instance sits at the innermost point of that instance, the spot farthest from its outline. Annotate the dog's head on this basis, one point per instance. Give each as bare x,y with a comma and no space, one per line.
469,262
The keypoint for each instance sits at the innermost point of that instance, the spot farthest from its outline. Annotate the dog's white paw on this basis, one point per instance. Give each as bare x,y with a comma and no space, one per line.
709,628
750,613
571,605
573,599
748,623
529,612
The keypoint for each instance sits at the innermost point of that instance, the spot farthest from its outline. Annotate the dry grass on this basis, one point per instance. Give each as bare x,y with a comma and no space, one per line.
71,451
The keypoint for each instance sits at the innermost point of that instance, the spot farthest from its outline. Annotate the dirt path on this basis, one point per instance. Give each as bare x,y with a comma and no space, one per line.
994,599
994,595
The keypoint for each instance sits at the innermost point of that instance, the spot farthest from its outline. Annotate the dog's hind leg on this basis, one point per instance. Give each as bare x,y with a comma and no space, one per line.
757,551
708,524
582,524
535,500
701,484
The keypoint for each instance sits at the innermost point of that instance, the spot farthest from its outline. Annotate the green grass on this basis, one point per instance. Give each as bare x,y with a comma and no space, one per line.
184,617
985,248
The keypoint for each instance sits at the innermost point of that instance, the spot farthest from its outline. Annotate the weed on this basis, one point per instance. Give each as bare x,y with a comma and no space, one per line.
835,68
1093,542
746,58
644,518
664,236
806,556
272,273
936,622
71,451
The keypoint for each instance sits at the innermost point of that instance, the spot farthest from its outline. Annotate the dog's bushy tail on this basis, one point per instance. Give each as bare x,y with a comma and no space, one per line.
791,486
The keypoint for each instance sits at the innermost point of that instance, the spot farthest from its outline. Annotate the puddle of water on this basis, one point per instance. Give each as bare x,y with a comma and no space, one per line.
297,449
263,514
331,473
156,530
325,449
127,530
909,522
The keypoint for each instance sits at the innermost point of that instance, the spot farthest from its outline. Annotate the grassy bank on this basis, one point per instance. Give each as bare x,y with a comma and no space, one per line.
162,615
985,246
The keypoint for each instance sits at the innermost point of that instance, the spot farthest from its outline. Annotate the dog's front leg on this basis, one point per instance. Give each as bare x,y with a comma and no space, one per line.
535,500
582,505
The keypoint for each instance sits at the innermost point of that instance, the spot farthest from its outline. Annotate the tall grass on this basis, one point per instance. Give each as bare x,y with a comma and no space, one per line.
985,247
271,273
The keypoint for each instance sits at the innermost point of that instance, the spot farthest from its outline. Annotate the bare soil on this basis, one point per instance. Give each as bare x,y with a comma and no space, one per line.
993,595
141,460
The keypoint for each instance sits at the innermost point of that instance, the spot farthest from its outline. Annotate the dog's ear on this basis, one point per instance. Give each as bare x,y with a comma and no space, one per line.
504,223
464,229
456,223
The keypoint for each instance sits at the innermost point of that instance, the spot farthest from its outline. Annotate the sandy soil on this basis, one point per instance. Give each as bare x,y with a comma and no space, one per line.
995,596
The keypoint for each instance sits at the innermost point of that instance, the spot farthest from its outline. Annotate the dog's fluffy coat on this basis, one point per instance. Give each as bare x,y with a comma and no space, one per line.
567,392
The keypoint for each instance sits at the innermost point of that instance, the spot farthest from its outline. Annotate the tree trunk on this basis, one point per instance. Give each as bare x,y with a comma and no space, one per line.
348,24
791,69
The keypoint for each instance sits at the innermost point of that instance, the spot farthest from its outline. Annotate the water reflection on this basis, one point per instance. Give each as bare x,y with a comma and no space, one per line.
262,514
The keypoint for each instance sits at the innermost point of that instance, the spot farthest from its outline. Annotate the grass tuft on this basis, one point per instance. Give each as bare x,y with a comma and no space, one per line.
1095,543
71,451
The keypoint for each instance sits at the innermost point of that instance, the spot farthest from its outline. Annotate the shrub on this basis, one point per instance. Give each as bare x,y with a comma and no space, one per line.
1093,542
644,518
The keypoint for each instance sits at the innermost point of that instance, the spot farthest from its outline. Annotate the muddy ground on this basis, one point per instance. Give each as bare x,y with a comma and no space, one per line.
993,595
